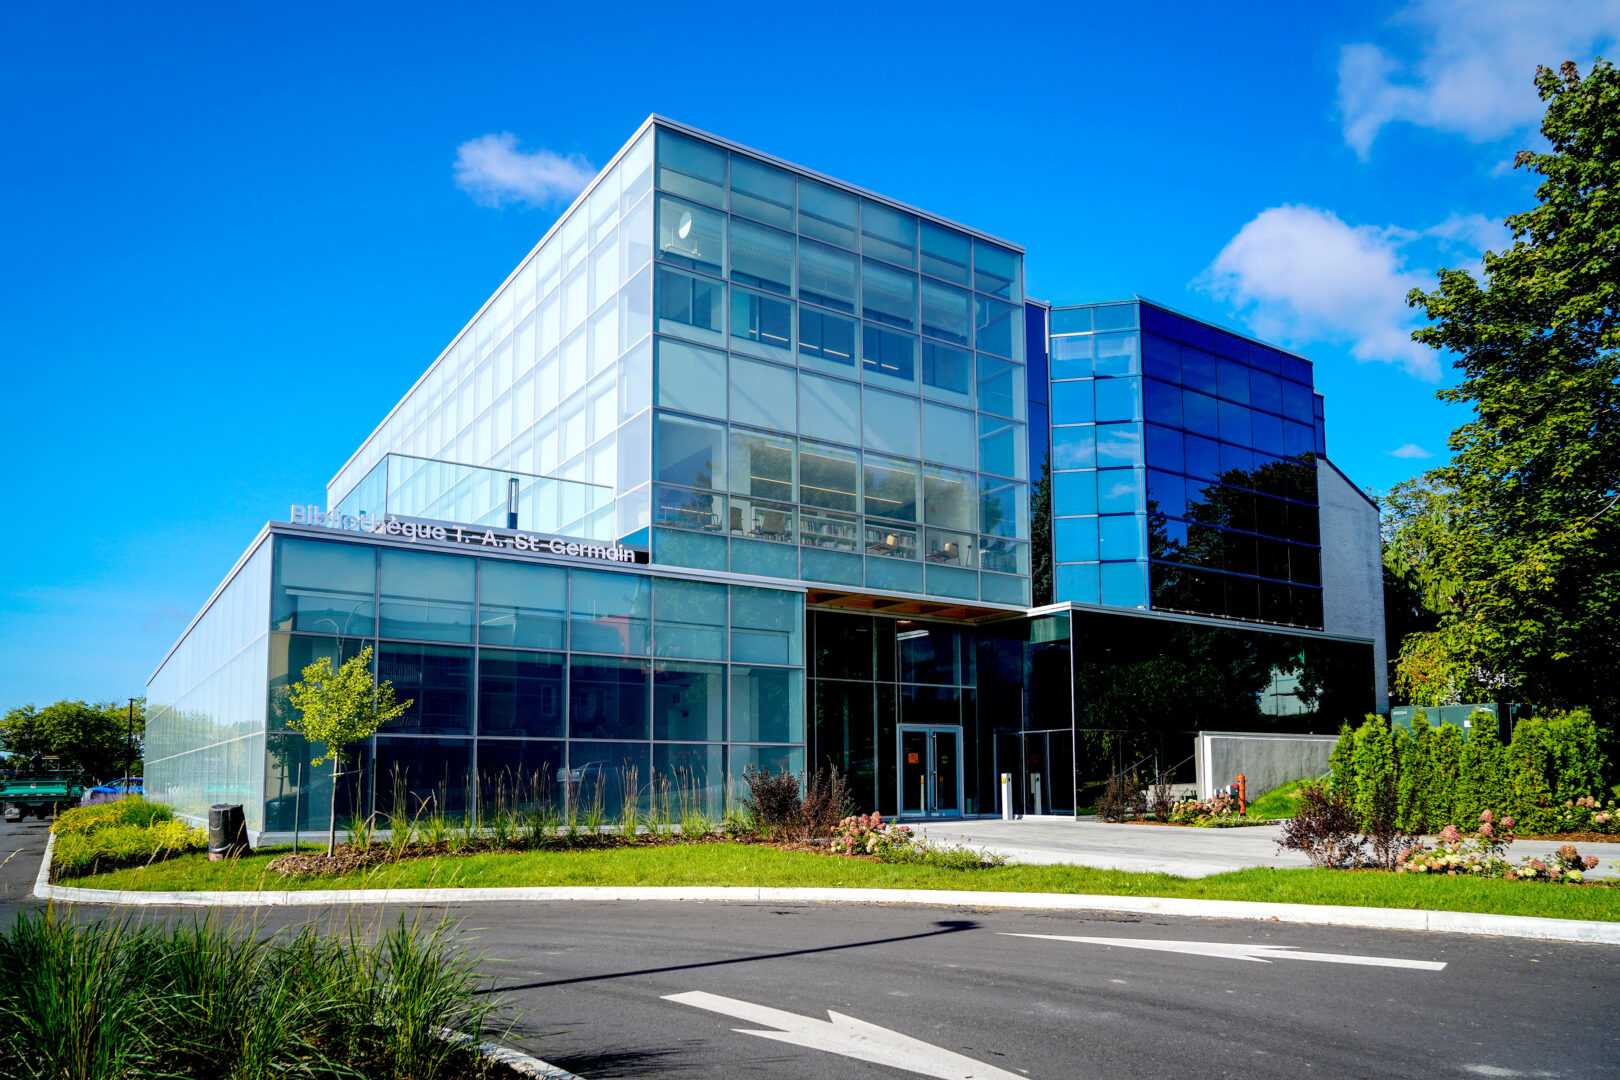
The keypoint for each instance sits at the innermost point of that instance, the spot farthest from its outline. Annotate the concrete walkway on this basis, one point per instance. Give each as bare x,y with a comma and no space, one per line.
1186,852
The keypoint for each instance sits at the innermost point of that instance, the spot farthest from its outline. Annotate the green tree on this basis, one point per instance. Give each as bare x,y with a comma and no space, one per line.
1377,789
1040,536
1412,754
339,708
1485,780
1445,776
1517,539
1342,763
91,737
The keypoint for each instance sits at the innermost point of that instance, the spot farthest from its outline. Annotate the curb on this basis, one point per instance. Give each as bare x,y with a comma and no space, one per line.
1450,922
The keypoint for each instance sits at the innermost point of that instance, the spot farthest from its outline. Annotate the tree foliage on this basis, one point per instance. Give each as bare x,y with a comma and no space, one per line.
1040,535
92,737
1515,543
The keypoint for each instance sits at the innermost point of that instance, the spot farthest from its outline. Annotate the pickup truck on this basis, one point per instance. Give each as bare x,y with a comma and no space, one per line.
40,793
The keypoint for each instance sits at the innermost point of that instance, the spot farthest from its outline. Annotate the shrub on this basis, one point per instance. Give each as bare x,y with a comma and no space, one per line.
1566,867
1342,764
1373,754
773,802
1444,781
1413,762
869,834
1485,783
826,803
1220,809
1480,854
109,847
1324,829
127,810
1122,797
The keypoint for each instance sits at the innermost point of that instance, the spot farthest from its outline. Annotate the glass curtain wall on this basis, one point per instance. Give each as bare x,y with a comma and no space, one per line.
1184,468
205,729
531,682
552,376
869,674
839,385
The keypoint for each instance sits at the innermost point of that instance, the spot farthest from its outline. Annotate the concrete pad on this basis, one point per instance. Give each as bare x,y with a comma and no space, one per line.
1168,849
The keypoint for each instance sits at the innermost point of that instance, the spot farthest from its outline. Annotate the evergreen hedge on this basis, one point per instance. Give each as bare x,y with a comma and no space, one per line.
1444,777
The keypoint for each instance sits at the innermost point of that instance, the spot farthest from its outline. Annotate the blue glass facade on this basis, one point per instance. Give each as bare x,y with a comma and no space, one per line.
1184,465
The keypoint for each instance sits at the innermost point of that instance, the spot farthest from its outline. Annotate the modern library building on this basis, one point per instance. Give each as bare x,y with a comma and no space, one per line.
743,465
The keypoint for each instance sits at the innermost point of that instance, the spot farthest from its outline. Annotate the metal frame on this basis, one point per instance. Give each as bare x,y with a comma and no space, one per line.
929,730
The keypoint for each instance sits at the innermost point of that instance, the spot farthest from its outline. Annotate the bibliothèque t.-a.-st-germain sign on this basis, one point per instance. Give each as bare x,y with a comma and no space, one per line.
466,535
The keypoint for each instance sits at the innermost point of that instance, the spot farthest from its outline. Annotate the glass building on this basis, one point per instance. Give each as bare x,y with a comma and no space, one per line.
735,468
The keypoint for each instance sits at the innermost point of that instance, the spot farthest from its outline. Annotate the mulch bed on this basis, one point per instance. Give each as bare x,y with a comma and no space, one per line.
1571,837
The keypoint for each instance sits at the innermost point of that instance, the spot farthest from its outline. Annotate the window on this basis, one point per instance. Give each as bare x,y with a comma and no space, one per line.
827,276
689,452
950,498
766,626
762,394
1073,403
947,313
1004,508
761,257
888,295
691,236
892,489
946,253
766,706
829,408
609,612
765,321
690,306
690,377
1003,449
891,423
761,191
521,693
762,465
521,604
995,329
888,234
828,477
1118,399
888,357
607,700
1116,354
691,168
825,213
997,271
1074,447
948,436
436,680
1001,388
826,338
689,705
947,369
689,619
1071,358
426,597
323,586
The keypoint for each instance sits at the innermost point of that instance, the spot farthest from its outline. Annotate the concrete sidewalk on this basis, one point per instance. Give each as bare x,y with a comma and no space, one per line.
1186,852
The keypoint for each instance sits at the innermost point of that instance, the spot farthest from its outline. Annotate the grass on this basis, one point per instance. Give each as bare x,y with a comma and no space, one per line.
1279,802
755,865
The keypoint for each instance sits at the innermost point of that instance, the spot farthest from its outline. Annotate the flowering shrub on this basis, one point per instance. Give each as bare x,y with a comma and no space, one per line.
1585,815
1567,866
869,834
1484,854
1205,812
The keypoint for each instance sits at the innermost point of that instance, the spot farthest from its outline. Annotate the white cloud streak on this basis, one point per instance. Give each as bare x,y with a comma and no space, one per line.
495,172
1469,67
1411,450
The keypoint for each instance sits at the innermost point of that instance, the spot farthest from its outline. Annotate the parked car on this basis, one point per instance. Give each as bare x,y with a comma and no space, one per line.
124,785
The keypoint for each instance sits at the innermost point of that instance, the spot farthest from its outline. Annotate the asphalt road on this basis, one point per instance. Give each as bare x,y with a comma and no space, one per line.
592,984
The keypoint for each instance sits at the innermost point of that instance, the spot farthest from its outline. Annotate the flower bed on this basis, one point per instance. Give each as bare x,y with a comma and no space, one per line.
128,832
1484,853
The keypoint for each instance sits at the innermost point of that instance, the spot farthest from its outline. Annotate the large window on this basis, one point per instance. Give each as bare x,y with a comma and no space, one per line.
324,587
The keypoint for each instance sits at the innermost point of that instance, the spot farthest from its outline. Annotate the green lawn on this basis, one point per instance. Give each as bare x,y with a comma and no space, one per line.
1279,802
746,864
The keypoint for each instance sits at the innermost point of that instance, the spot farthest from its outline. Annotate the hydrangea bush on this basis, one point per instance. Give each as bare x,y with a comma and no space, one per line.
1484,854
869,834
1221,808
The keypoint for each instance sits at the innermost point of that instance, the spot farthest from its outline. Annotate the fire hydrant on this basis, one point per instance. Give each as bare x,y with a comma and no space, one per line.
1242,794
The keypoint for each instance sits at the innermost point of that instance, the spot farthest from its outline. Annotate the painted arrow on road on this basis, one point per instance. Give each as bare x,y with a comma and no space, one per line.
849,1037
1263,954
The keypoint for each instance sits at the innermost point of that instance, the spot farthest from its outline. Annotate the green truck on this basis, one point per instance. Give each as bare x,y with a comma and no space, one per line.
40,789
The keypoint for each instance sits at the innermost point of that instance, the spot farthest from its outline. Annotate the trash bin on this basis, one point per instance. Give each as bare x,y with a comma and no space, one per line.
227,831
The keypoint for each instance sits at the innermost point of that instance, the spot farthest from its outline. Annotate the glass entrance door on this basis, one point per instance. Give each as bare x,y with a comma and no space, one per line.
930,772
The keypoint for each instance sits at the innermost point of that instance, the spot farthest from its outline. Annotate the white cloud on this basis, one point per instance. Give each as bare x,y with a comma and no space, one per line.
1297,273
1410,450
494,172
1469,65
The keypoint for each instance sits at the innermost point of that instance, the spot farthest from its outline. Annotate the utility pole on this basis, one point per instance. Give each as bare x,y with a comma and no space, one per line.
129,760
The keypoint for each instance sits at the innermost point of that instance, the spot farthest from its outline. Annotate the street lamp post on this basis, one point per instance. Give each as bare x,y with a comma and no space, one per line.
129,750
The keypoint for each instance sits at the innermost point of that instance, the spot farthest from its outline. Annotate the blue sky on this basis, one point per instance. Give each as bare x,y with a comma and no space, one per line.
235,236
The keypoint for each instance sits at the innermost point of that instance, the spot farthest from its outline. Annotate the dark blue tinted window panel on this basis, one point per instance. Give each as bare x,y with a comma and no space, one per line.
1161,359
1161,323
1039,433
1035,350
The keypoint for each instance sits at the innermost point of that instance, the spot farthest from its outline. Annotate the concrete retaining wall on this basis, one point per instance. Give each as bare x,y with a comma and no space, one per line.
1266,761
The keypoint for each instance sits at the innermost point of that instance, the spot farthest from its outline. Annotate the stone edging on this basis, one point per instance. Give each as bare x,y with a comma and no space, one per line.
1451,922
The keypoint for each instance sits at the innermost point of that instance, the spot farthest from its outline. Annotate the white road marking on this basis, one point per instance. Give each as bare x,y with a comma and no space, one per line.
1262,954
849,1037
